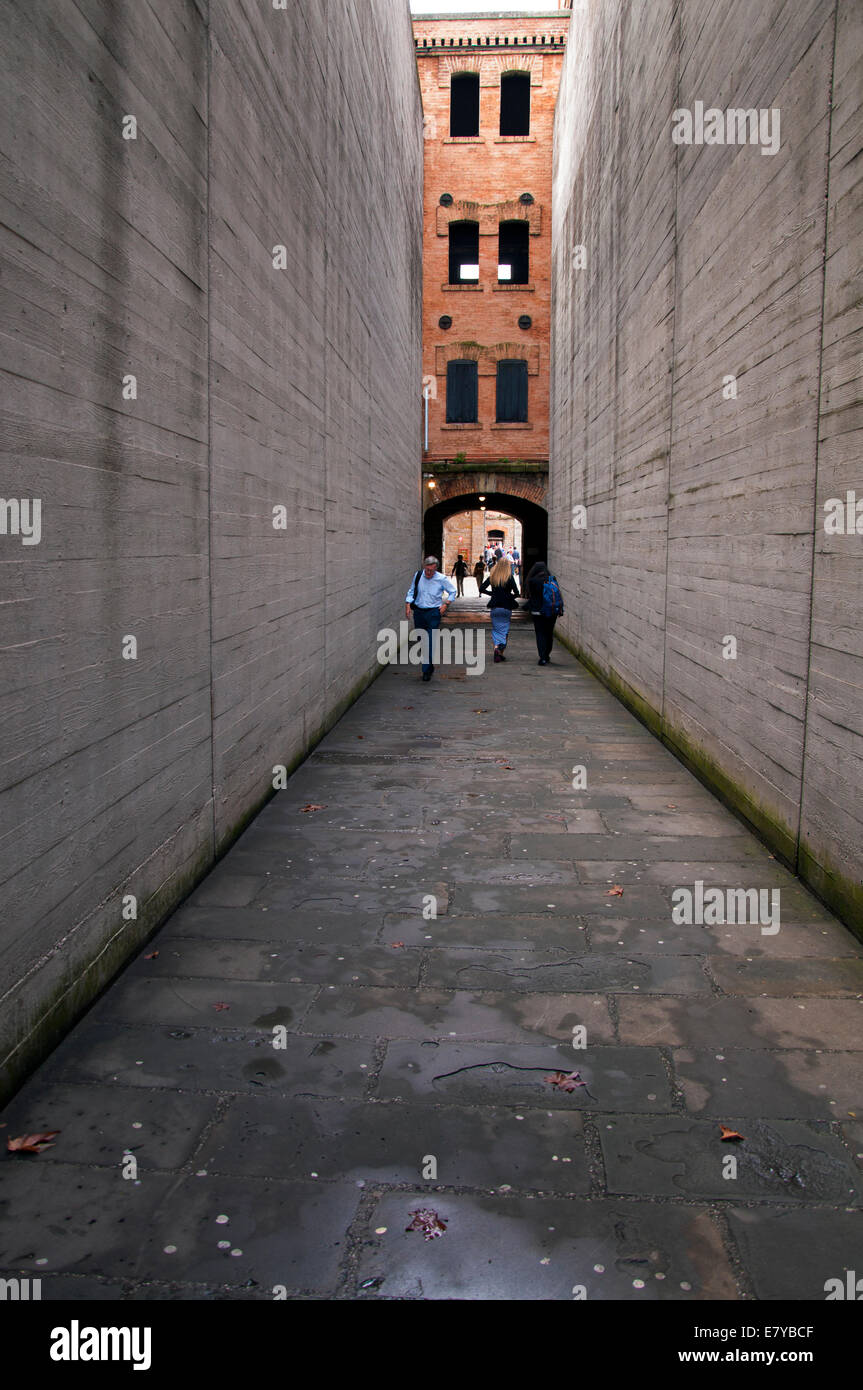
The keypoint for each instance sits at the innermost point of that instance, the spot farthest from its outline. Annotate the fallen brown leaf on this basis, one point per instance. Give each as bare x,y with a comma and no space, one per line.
32,1143
152,955
480,711
565,1081
360,735
219,1007
428,1222
729,1133
395,944
312,807
615,892
670,806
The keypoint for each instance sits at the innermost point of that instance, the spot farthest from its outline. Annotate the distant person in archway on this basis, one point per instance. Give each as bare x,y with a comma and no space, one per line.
459,569
545,602
479,570
429,596
504,592
516,562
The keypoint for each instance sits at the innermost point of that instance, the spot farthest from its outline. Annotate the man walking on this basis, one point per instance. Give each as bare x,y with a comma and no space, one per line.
459,569
429,596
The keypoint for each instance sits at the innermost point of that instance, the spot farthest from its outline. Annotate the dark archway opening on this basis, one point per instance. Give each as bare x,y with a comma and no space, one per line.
534,520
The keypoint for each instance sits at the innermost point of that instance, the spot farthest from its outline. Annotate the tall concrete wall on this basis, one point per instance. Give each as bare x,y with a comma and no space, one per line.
705,511
257,387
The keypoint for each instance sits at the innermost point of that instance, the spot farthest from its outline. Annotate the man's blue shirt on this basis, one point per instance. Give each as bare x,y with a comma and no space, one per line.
430,592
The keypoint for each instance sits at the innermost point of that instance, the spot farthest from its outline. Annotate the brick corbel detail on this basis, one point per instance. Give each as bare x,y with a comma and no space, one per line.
486,358
490,66
531,486
490,215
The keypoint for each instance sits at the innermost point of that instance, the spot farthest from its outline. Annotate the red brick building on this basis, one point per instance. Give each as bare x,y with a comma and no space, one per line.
489,86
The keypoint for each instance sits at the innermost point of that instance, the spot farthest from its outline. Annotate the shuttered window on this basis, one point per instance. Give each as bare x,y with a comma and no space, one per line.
512,392
461,393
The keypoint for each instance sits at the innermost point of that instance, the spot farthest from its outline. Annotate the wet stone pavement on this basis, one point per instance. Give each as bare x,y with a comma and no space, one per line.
426,947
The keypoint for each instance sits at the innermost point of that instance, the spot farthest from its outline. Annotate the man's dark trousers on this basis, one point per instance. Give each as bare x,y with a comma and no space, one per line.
429,619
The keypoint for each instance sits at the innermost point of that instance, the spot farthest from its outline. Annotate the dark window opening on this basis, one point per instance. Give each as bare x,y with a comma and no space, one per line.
512,392
515,103
464,104
462,393
463,253
513,261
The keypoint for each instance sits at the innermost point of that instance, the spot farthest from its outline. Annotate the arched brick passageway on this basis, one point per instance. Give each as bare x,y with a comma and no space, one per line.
532,516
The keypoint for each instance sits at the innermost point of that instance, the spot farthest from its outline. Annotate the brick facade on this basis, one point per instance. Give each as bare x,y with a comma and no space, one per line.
486,177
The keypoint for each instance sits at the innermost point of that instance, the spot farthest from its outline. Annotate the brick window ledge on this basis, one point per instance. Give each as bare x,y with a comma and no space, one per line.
512,425
462,288
515,139
463,140
504,287
462,427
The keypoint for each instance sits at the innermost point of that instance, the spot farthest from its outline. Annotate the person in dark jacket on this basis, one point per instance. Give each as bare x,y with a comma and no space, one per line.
459,569
542,626
479,571
504,592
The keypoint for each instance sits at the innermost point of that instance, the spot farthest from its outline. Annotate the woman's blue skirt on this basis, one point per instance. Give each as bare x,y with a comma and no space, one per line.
500,621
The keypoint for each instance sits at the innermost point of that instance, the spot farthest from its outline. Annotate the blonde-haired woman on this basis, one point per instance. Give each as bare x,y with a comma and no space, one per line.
504,592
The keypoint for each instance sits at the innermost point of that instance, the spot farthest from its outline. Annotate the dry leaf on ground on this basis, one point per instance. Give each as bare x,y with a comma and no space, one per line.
220,1006
566,1081
729,1133
152,955
32,1143
428,1222
312,807
615,892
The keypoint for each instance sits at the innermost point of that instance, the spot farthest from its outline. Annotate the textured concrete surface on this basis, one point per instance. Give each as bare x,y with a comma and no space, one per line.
705,498
411,1037
258,386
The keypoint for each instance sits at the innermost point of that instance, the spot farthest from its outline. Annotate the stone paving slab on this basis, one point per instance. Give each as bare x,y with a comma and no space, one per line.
220,1061
390,1144
437,948
792,1254
774,975
433,1013
74,1217
593,845
294,961
751,1023
542,971
616,1078
291,925
276,1233
676,1156
641,900
100,1124
203,1003
808,1084
747,940
544,1249
564,934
